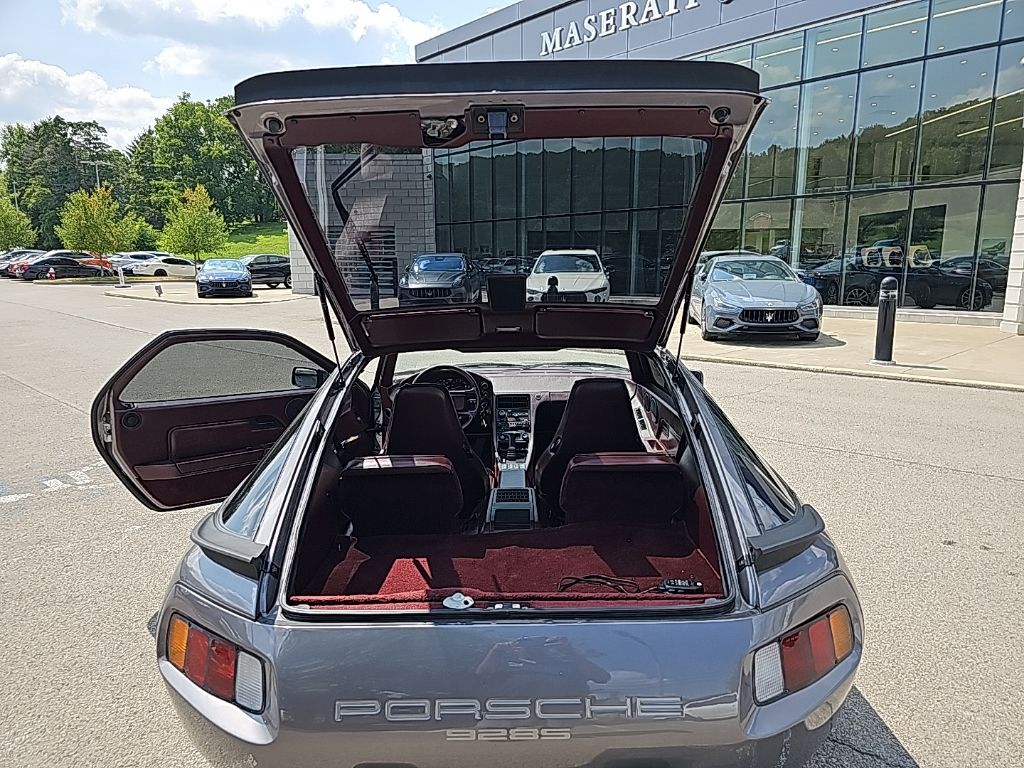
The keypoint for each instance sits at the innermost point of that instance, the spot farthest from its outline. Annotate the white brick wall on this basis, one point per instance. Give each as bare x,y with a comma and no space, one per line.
1013,310
406,186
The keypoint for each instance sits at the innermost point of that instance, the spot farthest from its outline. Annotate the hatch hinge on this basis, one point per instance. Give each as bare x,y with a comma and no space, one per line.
747,561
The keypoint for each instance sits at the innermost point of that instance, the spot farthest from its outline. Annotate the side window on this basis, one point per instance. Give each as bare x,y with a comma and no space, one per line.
221,368
244,510
772,500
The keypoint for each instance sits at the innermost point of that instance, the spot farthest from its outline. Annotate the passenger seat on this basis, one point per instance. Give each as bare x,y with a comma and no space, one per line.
401,495
623,488
598,418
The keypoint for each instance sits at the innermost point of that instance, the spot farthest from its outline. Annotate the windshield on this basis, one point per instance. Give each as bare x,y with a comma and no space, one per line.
439,263
567,262
750,269
223,265
410,362
383,209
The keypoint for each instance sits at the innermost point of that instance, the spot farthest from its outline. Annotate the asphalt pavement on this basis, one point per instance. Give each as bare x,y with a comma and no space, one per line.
921,485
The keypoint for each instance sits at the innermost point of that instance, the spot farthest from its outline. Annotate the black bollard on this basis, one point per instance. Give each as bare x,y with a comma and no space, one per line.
886,329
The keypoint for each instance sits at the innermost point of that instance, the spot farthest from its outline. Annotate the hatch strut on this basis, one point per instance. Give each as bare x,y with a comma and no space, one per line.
344,178
327,315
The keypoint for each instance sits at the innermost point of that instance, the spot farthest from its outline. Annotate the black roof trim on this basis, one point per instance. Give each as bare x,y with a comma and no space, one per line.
506,76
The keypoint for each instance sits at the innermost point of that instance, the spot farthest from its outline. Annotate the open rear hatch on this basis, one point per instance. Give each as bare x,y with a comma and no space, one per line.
620,165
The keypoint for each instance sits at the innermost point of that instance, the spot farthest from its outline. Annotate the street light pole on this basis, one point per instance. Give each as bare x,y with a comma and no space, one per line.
96,164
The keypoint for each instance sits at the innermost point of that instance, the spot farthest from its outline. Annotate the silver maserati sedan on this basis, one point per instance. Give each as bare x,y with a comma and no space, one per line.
739,294
502,532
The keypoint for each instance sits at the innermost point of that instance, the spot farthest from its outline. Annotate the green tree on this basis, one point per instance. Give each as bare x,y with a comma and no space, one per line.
195,144
15,227
49,160
147,186
92,221
193,226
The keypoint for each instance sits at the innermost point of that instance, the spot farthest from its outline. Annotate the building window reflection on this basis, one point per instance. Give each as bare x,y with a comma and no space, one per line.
833,48
771,151
963,23
957,105
895,35
886,136
826,129
779,60
1008,120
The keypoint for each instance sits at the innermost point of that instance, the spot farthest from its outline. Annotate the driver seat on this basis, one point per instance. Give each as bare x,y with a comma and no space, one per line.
424,422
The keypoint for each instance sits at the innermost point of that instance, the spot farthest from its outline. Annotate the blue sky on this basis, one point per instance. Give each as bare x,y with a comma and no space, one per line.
122,62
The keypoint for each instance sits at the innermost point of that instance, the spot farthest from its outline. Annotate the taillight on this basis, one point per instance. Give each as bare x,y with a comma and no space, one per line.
803,656
215,665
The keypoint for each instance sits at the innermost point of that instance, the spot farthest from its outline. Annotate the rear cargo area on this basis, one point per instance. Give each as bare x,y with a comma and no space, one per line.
553,566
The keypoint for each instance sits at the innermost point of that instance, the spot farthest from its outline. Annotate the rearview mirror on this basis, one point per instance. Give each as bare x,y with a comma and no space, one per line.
307,378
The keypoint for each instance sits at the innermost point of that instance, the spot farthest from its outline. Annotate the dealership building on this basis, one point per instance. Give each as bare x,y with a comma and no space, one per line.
895,132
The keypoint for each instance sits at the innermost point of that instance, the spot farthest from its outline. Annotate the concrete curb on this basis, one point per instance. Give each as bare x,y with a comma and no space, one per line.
123,294
965,383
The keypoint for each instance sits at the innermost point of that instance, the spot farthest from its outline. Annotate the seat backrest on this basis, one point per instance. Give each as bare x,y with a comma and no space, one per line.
598,418
624,488
424,422
398,495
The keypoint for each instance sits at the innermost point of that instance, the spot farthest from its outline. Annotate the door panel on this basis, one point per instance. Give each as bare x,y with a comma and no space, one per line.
190,416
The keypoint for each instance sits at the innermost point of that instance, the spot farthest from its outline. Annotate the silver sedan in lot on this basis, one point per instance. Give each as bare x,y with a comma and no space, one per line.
740,294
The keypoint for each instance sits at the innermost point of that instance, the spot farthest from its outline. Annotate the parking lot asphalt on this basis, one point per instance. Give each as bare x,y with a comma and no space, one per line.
921,485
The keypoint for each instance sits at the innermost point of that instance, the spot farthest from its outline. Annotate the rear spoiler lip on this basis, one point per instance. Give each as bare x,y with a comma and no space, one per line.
777,545
237,553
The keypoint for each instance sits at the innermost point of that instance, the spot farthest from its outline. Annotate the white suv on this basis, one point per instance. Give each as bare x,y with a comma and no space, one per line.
572,275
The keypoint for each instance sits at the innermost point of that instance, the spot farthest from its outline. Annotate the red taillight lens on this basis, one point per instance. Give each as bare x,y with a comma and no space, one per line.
803,656
214,664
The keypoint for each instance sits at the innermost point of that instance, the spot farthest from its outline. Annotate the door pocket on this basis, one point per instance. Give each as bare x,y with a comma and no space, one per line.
204,440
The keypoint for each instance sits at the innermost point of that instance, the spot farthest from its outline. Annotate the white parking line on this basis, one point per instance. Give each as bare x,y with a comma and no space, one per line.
15,497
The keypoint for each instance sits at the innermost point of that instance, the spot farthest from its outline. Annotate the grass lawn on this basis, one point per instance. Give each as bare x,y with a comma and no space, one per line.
253,238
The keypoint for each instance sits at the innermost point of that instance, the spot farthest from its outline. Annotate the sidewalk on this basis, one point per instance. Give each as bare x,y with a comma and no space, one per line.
185,293
947,354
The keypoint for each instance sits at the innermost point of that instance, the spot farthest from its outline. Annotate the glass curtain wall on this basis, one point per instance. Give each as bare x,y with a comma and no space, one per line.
892,146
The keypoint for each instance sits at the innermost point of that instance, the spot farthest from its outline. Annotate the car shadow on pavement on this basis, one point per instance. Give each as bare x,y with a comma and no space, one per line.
861,739
824,341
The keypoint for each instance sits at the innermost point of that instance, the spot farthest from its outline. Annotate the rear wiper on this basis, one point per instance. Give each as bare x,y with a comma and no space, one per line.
344,178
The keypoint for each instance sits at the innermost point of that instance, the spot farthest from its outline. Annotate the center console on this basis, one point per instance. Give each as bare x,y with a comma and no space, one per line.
513,428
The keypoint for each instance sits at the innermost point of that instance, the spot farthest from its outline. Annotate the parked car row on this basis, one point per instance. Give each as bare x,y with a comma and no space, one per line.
31,264
215,277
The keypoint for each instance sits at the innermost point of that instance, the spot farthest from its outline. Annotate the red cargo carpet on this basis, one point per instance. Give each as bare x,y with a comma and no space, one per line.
525,565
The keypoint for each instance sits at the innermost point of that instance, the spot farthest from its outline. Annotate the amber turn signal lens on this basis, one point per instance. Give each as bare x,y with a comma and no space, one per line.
842,632
177,640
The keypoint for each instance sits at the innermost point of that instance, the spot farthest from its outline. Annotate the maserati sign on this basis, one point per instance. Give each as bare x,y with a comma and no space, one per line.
611,21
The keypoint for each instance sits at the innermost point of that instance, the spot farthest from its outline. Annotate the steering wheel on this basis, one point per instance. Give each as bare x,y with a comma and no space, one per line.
462,387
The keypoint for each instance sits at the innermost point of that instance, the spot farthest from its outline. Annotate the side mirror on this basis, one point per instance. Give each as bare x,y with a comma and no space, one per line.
698,375
307,378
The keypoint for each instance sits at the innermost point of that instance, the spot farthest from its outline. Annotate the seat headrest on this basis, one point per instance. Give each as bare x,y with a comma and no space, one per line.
599,414
627,488
424,415
387,495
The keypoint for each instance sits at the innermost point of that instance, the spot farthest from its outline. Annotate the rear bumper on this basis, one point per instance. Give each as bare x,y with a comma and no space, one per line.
720,724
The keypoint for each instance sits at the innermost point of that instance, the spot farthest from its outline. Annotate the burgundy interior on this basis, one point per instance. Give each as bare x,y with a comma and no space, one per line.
390,533
404,571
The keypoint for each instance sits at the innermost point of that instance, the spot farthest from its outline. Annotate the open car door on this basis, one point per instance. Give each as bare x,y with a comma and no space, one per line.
190,415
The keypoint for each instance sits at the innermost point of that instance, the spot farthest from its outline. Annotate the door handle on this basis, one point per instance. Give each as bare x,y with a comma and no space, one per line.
258,423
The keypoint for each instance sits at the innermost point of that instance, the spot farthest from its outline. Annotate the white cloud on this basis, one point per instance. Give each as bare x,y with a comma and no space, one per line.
32,90
181,60
166,17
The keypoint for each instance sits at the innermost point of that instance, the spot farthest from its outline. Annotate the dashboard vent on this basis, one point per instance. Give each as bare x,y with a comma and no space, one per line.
518,402
512,496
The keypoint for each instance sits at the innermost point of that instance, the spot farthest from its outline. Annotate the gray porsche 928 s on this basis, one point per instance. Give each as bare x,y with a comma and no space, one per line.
500,533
